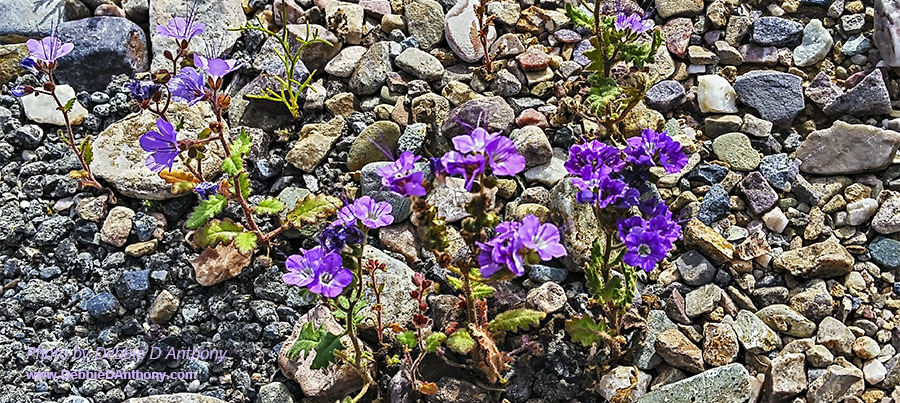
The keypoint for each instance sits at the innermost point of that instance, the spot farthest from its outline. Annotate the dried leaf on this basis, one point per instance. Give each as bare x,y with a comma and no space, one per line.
219,263
178,176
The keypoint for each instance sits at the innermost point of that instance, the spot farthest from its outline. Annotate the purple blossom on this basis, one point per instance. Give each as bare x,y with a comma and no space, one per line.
29,65
372,214
479,149
335,237
655,148
49,49
593,155
319,270
206,189
188,86
541,238
469,166
598,187
18,91
142,90
401,176
475,141
215,67
503,157
181,29
502,251
633,22
331,279
162,146
644,248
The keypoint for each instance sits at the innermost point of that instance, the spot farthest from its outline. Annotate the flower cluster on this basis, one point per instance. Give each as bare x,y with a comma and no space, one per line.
41,59
366,211
142,91
480,152
633,22
402,177
516,243
606,176
318,269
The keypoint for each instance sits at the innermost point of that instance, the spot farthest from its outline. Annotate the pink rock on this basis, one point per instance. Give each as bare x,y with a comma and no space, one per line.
677,33
533,60
531,117
376,8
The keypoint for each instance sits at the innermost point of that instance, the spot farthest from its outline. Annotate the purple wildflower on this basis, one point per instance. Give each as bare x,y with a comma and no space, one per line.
29,65
633,22
655,148
331,279
644,248
318,269
502,251
469,166
335,237
372,214
593,155
162,146
479,149
503,157
188,86
206,189
18,91
541,238
475,141
215,67
596,186
49,49
141,90
181,29
401,176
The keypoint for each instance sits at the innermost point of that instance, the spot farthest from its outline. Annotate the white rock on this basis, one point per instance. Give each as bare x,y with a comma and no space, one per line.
43,109
550,173
874,372
775,220
859,212
461,31
817,42
886,35
716,95
353,14
621,378
343,64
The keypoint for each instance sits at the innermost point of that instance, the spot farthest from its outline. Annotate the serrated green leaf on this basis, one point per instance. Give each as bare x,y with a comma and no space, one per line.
206,210
586,330
232,165
433,342
312,209
269,206
579,18
408,339
328,343
461,341
87,150
243,179
479,290
306,341
241,146
515,320
68,106
603,91
216,232
245,242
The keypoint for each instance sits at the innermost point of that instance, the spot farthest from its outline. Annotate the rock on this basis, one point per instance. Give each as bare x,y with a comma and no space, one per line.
119,159
164,307
452,390
372,69
812,299
623,377
543,274
548,298
345,62
720,344
860,211
218,15
866,348
397,281
498,115
776,31
886,252
779,170
117,226
672,8
726,384
120,43
855,45
835,384
755,336
887,218
678,351
708,241
364,150
835,335
461,31
702,300
786,320
695,270
736,150
677,34
551,173
847,149
818,356
817,42
24,19
328,384
42,108
314,143
532,143
822,91
175,398
785,377
665,95
886,35
715,204
352,14
869,97
822,260
10,56
716,95
778,97
420,64
39,293
874,372
760,196
506,84
275,392
425,22
103,307
645,356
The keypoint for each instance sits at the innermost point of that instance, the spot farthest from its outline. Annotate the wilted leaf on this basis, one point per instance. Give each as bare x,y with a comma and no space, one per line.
178,176
313,208
428,388
219,263
79,174
216,232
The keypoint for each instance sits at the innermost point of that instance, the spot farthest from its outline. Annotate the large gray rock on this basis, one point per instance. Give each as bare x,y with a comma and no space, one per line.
777,96
493,111
372,69
887,31
425,22
645,356
461,30
817,42
578,218
755,336
119,43
776,31
726,384
218,15
397,281
24,19
869,97
119,159
786,320
836,384
847,149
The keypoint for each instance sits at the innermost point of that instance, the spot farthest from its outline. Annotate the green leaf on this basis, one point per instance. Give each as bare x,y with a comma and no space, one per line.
603,91
206,210
461,341
87,150
579,18
408,339
328,343
433,342
216,232
312,209
307,340
243,179
269,206
232,165
479,291
241,146
586,330
68,106
516,320
245,242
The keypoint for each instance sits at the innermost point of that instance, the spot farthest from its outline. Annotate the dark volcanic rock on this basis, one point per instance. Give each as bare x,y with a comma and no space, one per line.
777,96
104,47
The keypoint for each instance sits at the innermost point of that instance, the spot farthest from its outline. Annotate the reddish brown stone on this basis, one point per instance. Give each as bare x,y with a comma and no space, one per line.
677,33
531,117
533,60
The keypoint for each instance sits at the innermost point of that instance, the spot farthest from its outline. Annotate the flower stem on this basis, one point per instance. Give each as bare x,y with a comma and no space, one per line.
90,180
